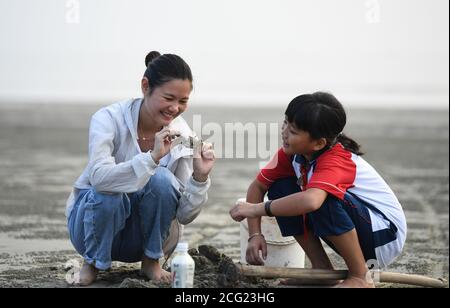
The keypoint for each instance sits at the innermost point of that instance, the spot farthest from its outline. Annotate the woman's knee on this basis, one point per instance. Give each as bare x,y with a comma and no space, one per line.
106,203
163,182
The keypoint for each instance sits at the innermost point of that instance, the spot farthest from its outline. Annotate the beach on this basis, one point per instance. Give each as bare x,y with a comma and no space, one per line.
43,149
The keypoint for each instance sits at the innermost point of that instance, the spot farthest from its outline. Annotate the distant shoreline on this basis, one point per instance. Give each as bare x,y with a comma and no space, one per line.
195,105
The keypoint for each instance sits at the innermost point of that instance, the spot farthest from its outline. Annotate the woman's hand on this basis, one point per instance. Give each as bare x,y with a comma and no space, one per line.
204,159
243,210
163,141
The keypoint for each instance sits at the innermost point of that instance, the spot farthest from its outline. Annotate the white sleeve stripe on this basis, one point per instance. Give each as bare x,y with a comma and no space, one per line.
334,186
266,178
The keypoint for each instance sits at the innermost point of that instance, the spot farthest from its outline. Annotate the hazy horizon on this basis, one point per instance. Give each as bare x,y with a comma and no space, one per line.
369,53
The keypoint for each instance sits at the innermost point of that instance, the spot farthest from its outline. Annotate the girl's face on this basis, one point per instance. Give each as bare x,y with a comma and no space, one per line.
168,101
297,141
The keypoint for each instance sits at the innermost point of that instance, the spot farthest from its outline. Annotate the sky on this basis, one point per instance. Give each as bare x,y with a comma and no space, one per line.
369,53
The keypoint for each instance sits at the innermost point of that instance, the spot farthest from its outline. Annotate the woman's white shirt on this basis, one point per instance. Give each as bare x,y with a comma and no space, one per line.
117,165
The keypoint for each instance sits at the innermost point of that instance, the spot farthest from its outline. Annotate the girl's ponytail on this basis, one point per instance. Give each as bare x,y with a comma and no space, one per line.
349,144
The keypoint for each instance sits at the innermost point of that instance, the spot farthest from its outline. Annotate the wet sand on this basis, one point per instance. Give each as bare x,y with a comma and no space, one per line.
43,149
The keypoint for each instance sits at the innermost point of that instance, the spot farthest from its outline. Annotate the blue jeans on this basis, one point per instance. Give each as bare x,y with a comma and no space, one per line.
124,227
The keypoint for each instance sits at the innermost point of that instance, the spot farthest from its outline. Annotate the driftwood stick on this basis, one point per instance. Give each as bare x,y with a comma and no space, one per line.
415,280
316,274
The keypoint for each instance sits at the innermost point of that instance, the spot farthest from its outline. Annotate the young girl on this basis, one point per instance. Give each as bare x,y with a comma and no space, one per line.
320,187
135,191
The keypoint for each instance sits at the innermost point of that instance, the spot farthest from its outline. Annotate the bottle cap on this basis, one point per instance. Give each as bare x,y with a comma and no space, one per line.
182,246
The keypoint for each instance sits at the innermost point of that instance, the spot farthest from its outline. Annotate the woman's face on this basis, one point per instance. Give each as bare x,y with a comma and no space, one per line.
168,101
297,141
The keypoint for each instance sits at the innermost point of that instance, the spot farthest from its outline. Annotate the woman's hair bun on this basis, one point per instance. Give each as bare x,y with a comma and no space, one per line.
152,55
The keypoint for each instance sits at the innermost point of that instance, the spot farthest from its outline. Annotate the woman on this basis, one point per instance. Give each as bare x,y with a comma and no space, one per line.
137,188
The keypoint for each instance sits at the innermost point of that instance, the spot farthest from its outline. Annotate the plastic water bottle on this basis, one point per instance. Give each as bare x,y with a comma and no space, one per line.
182,267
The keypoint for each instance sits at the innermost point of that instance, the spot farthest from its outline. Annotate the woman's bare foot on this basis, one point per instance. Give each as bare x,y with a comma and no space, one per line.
88,274
153,271
355,282
308,282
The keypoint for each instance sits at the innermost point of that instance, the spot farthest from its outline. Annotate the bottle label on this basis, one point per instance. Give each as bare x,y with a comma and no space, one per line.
182,275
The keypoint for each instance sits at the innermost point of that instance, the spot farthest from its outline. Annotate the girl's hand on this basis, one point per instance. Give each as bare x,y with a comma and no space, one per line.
255,245
204,159
243,210
163,141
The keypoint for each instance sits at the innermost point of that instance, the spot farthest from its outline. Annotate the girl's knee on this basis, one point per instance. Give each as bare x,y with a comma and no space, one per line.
331,219
283,187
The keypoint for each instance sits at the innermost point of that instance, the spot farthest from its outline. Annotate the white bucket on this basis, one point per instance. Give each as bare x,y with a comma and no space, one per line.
281,251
